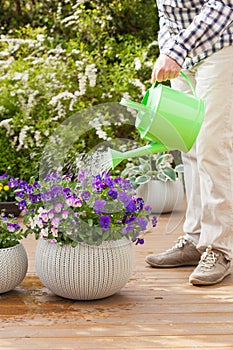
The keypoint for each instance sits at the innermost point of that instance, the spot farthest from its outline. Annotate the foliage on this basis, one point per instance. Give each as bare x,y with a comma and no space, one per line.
155,167
85,209
11,231
58,58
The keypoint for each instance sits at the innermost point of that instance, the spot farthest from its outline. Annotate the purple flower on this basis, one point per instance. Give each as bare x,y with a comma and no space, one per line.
36,185
65,214
142,223
131,206
77,202
124,198
154,221
105,222
85,195
46,196
140,203
139,241
113,193
13,183
22,205
58,207
99,206
97,184
12,227
128,228
69,201
3,176
55,221
67,192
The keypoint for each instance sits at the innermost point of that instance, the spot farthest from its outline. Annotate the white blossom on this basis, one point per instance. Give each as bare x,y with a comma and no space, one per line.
137,63
6,124
90,72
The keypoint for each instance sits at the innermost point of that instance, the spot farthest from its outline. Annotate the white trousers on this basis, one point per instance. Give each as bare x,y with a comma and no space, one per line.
209,164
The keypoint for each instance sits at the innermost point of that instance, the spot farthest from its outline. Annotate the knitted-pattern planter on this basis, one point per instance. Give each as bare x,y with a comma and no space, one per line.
85,272
13,267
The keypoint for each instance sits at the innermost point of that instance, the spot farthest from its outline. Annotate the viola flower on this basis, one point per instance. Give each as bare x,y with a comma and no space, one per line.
127,228
44,216
46,196
69,201
97,184
10,227
140,203
44,232
139,241
99,206
86,195
51,213
142,223
65,214
58,207
55,221
67,192
36,185
105,222
131,206
77,202
124,198
113,193
22,205
154,221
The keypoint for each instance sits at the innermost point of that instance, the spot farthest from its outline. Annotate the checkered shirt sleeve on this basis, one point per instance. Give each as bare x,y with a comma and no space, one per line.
192,33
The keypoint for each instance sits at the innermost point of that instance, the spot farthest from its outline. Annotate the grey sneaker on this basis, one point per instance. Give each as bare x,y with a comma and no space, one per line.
184,253
213,267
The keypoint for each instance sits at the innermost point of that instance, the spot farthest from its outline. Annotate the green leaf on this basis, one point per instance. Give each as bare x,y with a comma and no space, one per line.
170,173
142,179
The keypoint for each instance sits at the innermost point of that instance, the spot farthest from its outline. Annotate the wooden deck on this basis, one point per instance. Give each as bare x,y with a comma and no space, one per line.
157,309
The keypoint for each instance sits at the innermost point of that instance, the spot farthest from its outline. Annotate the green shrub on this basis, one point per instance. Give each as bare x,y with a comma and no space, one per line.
95,56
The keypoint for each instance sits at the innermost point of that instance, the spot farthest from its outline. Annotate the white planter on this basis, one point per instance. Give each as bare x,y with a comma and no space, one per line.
85,272
163,197
13,267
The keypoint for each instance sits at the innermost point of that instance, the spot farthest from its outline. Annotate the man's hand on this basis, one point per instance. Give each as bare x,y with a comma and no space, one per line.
165,68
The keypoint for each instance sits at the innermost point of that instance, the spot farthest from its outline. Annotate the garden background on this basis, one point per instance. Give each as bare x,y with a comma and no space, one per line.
60,57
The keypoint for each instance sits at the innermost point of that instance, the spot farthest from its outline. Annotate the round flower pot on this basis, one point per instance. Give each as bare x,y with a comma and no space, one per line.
163,197
13,267
86,272
10,208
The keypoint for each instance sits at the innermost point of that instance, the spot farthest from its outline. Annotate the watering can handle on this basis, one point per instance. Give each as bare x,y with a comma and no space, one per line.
189,82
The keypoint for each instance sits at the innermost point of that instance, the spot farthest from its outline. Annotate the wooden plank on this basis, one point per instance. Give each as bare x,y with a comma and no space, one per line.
139,343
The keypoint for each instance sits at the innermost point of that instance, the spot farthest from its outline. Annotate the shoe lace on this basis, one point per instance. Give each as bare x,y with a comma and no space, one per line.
208,258
179,244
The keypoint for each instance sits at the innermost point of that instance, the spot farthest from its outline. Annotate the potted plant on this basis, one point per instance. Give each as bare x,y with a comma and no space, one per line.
157,180
8,185
13,256
86,228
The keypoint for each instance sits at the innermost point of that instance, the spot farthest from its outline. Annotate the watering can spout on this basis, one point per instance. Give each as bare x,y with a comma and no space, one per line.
117,157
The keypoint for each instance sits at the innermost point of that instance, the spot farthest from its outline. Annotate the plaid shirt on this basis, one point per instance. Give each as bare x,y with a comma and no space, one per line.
191,30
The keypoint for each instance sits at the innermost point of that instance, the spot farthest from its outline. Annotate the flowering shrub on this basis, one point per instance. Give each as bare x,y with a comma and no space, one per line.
10,231
8,185
90,210
94,52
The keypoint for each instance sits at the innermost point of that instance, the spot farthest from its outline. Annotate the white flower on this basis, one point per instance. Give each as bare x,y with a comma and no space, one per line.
6,124
137,63
90,72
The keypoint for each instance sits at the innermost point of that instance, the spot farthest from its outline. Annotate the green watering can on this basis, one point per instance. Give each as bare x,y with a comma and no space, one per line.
171,119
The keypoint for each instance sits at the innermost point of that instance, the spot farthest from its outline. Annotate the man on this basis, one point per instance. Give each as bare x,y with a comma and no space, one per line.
197,37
